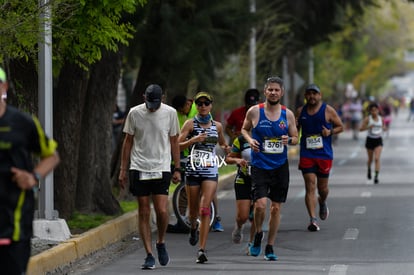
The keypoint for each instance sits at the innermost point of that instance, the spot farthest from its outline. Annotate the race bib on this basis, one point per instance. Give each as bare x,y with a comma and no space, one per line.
150,175
314,142
273,146
376,130
203,158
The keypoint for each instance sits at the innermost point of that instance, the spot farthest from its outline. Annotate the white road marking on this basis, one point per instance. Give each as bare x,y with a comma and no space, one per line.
351,234
342,162
366,194
338,269
360,210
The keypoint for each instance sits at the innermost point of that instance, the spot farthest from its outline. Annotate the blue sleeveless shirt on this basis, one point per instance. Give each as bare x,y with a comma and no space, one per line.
312,143
273,153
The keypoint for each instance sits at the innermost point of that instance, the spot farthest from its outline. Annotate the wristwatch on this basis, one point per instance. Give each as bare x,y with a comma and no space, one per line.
177,170
37,176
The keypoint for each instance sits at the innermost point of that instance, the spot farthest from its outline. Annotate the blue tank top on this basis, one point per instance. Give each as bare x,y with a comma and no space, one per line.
273,153
312,143
202,160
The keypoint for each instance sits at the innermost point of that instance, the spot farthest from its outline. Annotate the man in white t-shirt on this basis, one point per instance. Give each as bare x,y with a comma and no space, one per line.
151,138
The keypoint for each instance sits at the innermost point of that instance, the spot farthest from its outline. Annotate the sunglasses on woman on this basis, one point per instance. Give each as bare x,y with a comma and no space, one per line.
205,103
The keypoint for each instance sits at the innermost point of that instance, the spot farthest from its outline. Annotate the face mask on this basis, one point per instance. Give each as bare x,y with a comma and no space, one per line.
203,120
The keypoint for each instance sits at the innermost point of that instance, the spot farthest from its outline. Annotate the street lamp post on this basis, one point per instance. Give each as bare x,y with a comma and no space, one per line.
253,48
47,225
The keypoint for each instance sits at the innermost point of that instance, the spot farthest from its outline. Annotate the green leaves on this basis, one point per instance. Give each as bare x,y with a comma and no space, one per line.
81,29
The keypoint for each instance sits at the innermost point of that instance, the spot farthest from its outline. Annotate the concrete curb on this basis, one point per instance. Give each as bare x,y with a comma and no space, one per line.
84,244
93,240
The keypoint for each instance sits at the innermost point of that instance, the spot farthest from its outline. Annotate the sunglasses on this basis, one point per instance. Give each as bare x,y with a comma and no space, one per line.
205,103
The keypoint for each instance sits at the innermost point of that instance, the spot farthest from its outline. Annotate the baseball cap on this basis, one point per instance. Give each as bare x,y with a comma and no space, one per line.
313,87
251,97
203,94
2,75
153,96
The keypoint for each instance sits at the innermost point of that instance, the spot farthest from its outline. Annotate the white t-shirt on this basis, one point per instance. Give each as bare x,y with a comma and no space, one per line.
151,151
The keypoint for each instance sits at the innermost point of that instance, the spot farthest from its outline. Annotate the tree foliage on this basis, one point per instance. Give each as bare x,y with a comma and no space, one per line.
290,28
180,41
366,55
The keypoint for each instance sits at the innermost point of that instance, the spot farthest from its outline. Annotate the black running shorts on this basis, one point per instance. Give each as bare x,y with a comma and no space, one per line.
273,184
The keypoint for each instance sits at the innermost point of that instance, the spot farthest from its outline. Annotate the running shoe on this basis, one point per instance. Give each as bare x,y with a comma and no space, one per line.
269,254
177,228
163,257
313,226
369,174
249,244
194,236
255,249
149,262
237,234
201,257
217,227
376,180
323,210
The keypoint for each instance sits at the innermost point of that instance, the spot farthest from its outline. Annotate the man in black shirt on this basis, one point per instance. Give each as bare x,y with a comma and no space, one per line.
20,136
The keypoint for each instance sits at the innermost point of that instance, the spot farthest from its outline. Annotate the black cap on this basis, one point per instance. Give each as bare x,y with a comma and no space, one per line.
153,96
251,97
313,87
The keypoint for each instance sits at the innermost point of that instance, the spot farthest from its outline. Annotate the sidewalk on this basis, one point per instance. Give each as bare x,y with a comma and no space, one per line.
93,240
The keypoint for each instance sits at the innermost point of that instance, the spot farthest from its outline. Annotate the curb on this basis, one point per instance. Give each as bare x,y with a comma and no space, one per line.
93,240
83,244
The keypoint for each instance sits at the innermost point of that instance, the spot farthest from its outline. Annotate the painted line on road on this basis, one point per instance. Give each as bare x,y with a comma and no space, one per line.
224,193
366,194
342,162
353,155
351,234
360,210
338,269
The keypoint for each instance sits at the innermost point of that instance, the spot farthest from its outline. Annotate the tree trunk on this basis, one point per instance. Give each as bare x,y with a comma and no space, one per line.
69,97
94,188
23,88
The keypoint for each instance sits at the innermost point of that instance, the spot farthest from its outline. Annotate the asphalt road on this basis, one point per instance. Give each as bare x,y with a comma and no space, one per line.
370,229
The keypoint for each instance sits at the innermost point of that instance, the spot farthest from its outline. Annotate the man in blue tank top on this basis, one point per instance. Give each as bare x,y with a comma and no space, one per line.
268,128
318,121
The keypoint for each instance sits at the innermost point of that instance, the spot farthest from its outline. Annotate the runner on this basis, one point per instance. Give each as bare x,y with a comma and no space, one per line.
201,135
151,142
240,155
21,138
268,128
318,121
375,125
